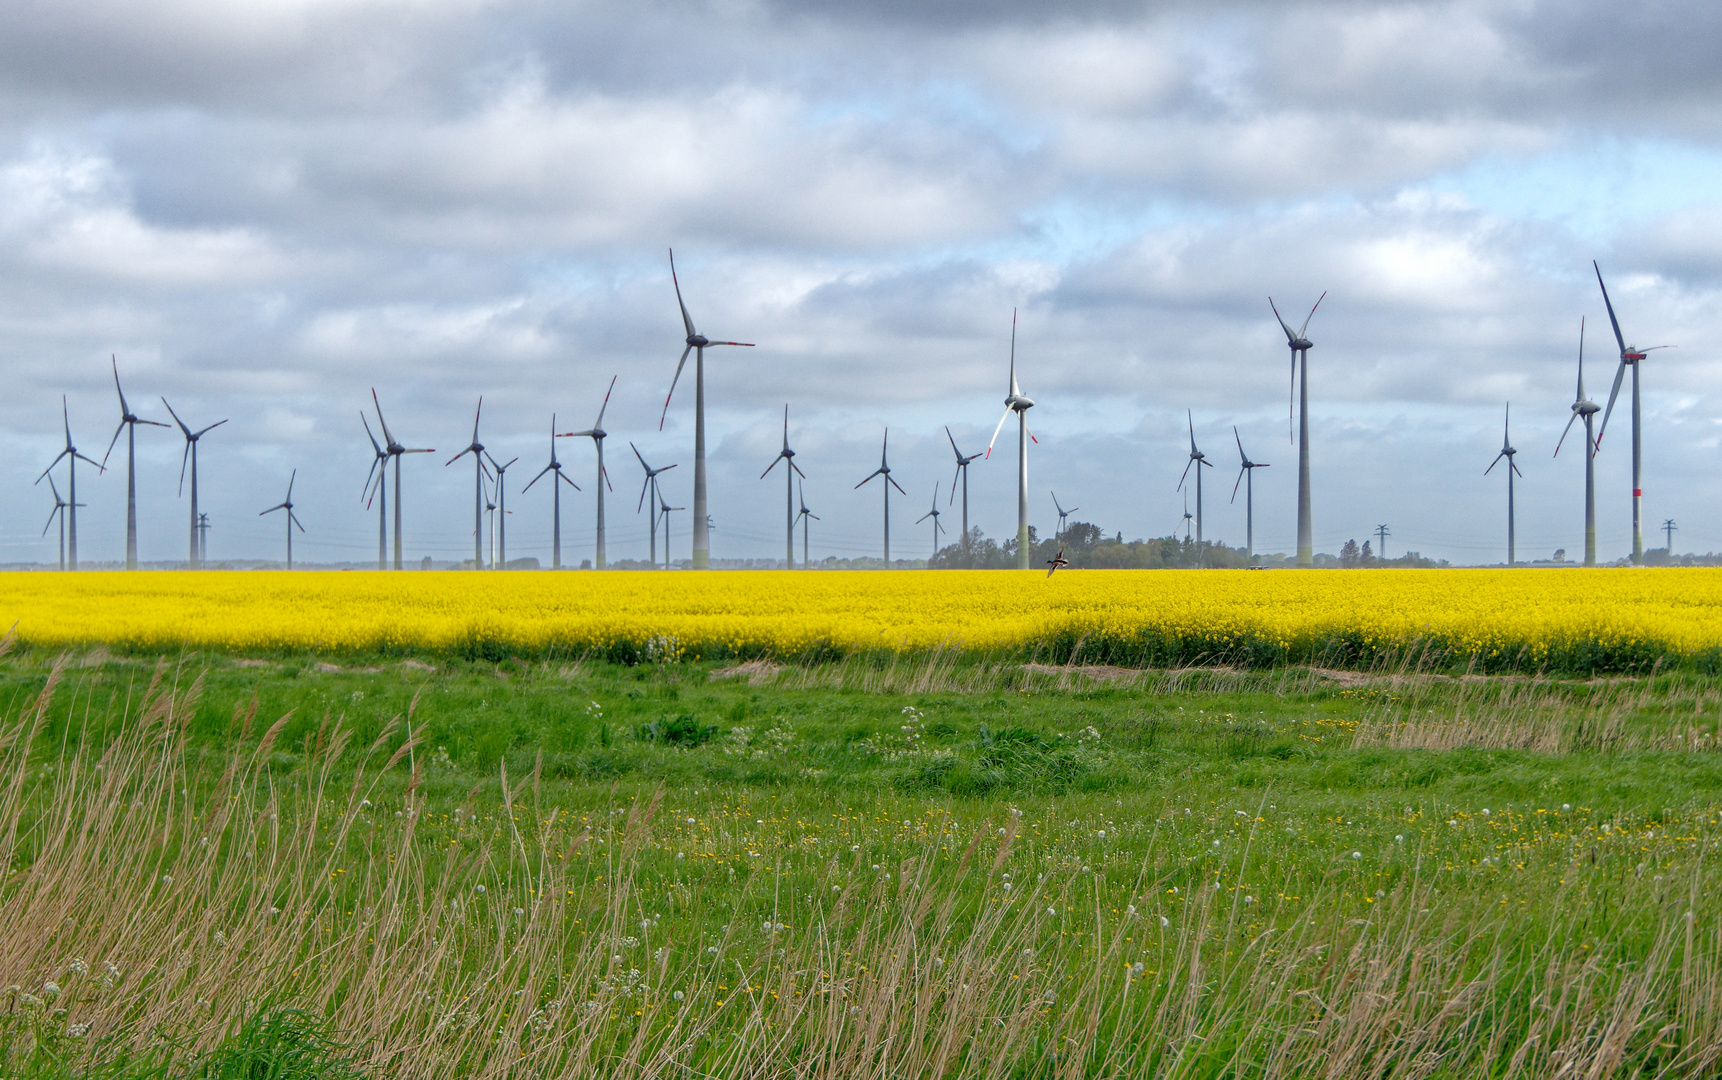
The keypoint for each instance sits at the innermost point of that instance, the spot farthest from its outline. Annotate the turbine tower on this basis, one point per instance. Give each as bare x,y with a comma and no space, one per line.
1300,347
292,518
934,514
396,451
664,508
1062,514
190,454
203,535
380,491
697,343
963,472
805,515
651,484
128,424
884,470
59,510
479,476
1197,461
787,456
555,496
72,456
1630,355
1188,517
1507,452
1247,474
597,434
1586,408
499,546
1019,403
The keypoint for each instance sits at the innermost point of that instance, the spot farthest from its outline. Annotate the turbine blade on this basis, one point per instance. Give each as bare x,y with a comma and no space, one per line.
600,421
170,412
1620,373
1515,467
537,478
1564,431
294,518
679,365
871,475
606,474
457,457
125,410
1619,340
1013,387
290,481
562,476
1241,471
184,458
953,439
1290,337
475,416
896,485
217,424
1191,419
687,323
1184,475
743,344
388,438
798,471
1241,455
368,434
1494,463
996,431
772,466
113,440
918,520
1311,314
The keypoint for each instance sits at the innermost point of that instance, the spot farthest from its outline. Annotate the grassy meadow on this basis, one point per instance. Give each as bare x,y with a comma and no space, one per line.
934,865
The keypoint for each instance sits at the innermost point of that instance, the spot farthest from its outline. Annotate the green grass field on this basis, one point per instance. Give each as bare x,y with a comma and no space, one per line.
937,866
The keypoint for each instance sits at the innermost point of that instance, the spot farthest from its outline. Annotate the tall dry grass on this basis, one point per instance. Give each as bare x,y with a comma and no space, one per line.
154,896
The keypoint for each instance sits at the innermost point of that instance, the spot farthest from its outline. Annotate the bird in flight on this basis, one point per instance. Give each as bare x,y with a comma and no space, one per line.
1055,562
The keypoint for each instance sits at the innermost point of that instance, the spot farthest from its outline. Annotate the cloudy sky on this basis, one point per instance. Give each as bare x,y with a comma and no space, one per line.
265,209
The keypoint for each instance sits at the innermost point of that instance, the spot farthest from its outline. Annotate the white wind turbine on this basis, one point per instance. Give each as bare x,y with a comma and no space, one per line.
1019,403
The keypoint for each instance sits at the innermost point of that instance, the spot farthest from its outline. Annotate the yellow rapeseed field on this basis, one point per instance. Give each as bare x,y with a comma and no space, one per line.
1502,618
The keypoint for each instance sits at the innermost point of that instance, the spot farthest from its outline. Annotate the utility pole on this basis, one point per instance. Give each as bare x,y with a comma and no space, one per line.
1668,528
1381,534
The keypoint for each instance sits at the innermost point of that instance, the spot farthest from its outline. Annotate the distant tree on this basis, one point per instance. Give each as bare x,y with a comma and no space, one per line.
1348,555
1366,557
1560,555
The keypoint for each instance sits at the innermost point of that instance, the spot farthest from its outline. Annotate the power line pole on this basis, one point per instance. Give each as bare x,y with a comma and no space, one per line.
1669,528
1381,533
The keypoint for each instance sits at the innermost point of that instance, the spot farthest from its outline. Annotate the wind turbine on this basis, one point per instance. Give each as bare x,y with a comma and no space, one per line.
72,455
1020,404
479,475
787,456
804,516
128,424
555,496
499,545
1197,461
1300,347
697,343
884,470
664,508
1586,408
1507,452
1247,473
292,518
190,454
597,434
1188,517
1630,355
490,511
396,451
379,469
962,471
59,511
651,484
203,535
1062,514
934,514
